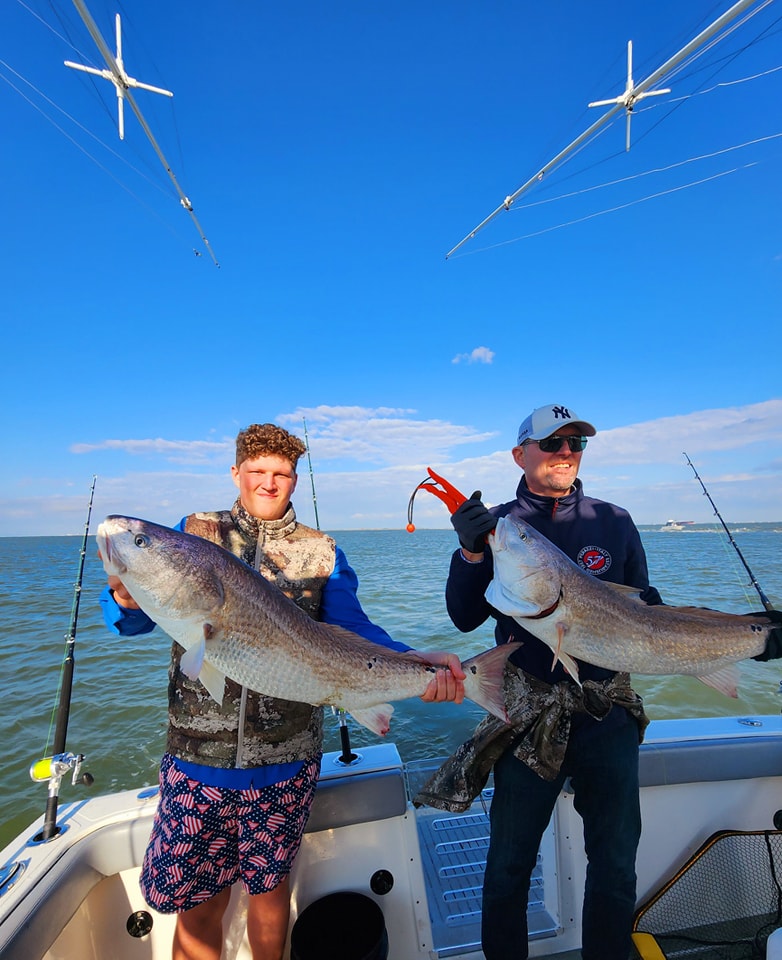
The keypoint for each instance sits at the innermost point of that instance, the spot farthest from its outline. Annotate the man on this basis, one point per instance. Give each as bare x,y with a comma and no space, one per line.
596,736
231,771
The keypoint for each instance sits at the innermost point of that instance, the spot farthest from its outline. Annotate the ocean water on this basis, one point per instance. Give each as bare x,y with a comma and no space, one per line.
118,711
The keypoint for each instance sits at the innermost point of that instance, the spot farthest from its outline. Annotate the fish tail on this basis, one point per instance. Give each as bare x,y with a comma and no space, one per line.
484,679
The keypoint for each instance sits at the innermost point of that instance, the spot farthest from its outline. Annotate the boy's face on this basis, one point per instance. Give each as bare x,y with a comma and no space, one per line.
266,485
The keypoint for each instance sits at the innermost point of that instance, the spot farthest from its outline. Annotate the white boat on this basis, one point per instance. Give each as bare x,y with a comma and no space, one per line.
675,525
415,872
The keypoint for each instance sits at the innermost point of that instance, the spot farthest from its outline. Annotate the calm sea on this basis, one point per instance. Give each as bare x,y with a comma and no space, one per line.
118,714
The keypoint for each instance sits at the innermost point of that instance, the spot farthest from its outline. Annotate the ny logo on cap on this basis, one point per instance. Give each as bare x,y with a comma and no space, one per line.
561,412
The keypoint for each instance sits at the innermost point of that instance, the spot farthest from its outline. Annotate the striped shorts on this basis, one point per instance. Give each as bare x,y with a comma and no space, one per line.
205,838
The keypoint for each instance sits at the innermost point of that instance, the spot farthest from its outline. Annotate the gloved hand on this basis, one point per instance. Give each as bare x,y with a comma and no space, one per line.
651,597
472,521
773,649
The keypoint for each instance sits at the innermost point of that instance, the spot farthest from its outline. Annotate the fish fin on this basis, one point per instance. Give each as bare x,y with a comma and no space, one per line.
193,659
376,718
570,666
558,651
726,680
508,604
484,683
708,614
630,593
213,680
568,663
565,659
193,665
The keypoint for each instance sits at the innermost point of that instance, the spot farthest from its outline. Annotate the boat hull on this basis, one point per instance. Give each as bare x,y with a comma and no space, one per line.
77,896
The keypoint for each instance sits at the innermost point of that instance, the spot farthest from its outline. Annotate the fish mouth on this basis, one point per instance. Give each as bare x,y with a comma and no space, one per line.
498,537
104,547
111,562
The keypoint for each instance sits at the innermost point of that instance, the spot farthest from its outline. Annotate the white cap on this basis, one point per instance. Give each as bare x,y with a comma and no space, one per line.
544,421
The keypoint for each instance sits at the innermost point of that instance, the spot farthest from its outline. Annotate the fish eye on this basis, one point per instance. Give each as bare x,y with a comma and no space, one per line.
140,540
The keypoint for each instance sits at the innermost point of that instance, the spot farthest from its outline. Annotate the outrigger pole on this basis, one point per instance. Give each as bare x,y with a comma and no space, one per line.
55,767
624,102
122,82
763,598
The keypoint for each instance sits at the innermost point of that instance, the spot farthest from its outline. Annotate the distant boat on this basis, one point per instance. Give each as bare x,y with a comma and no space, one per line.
675,525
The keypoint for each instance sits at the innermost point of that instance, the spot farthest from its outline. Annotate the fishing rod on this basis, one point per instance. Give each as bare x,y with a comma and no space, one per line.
763,598
347,756
312,475
54,768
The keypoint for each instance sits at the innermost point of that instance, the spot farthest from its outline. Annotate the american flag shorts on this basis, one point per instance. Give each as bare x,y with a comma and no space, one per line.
206,838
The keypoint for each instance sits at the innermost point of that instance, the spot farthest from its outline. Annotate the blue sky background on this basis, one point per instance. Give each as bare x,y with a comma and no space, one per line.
333,154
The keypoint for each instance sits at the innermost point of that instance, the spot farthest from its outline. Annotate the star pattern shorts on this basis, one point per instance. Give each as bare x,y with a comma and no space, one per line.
205,838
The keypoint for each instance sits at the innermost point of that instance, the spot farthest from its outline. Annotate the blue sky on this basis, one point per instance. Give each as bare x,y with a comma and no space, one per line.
333,154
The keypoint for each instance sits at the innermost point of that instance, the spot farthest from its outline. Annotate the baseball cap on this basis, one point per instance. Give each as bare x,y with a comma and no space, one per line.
544,421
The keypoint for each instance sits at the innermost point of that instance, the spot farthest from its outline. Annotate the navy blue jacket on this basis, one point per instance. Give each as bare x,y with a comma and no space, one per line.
599,536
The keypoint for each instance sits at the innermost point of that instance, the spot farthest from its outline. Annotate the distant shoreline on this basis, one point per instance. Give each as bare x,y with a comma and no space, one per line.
760,526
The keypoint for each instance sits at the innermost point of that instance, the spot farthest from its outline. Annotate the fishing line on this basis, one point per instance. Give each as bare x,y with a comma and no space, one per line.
732,563
150,210
167,192
647,173
49,27
621,206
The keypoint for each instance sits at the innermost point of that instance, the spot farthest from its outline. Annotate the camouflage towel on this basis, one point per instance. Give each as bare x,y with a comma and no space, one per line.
538,732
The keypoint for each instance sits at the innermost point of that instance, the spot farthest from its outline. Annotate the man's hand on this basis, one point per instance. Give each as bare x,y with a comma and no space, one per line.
472,521
445,685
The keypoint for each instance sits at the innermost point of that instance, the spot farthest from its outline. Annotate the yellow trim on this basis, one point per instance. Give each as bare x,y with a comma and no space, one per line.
647,947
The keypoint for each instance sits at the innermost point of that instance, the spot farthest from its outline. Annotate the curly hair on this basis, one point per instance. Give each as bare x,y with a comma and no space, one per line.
267,440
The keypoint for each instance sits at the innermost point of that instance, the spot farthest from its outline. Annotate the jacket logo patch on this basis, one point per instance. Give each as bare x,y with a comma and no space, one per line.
594,560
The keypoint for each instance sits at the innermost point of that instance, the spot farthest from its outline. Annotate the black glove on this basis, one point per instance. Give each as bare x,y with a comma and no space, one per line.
773,649
472,521
651,597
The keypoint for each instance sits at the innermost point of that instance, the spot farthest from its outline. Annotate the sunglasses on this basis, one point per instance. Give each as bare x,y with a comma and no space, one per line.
554,444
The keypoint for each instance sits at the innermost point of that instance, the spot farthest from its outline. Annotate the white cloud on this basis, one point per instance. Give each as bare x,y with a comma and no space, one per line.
478,355
378,435
175,451
368,461
728,428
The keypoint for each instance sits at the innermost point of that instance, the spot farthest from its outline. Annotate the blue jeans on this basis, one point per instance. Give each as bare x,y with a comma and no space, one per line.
603,767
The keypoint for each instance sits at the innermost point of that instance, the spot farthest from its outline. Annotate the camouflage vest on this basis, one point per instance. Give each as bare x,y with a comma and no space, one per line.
249,729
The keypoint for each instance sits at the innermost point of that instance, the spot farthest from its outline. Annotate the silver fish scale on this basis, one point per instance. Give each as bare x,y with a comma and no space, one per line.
195,590
597,623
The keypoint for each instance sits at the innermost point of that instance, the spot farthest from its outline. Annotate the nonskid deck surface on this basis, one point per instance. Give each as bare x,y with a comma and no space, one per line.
453,850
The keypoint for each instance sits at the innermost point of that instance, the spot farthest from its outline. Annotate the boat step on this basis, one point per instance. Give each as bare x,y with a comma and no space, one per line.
453,849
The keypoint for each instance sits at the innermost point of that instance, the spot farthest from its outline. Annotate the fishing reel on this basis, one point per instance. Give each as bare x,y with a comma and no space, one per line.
51,770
